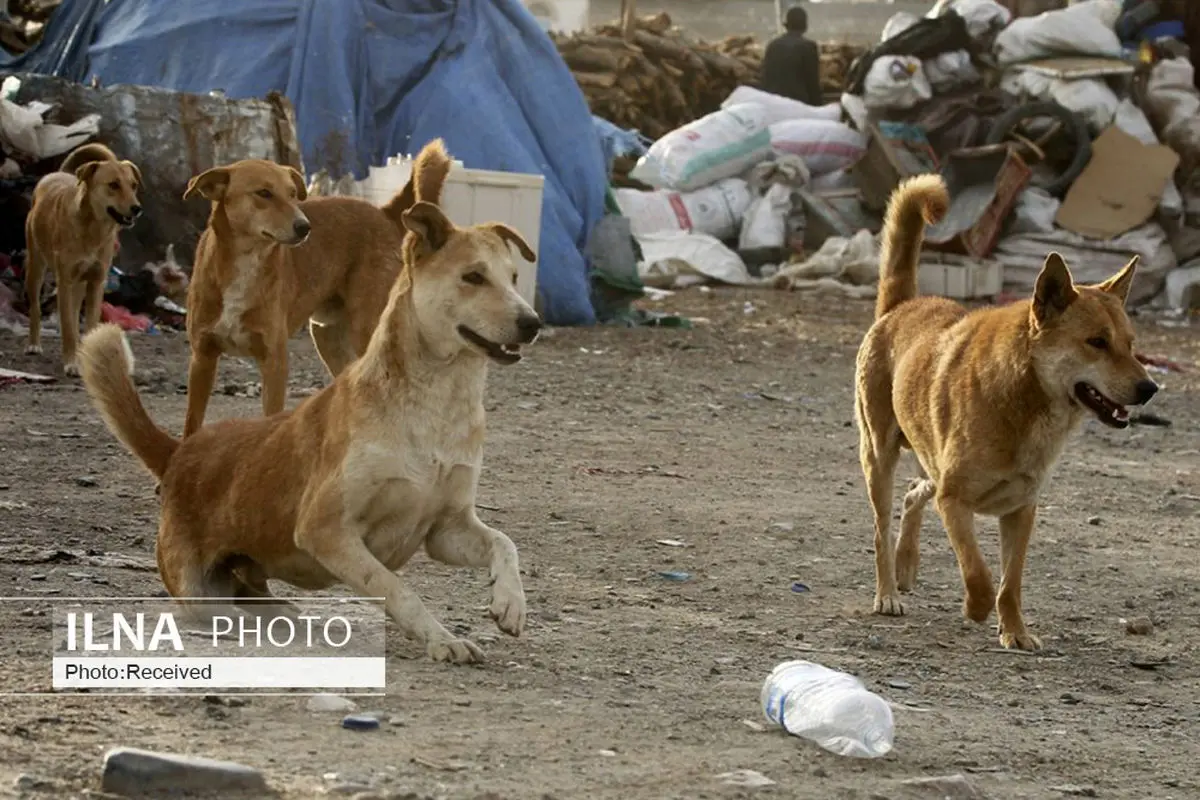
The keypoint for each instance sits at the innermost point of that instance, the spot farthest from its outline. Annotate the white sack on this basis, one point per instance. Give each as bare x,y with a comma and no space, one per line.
681,259
716,210
1084,29
779,108
896,82
723,144
765,223
1091,98
823,145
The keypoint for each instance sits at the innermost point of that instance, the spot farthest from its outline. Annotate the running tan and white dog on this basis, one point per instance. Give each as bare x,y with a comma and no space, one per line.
272,259
346,487
72,229
986,400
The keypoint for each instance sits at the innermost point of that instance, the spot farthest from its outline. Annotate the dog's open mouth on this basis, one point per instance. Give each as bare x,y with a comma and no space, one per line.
1112,414
500,353
123,220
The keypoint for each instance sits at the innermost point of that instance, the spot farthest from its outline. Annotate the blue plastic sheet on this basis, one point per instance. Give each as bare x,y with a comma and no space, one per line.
370,79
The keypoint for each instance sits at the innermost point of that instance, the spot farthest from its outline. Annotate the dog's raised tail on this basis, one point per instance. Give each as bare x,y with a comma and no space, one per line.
106,364
86,154
919,201
429,173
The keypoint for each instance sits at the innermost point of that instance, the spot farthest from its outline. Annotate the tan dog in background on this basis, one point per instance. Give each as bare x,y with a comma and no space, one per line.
254,284
986,400
72,229
346,487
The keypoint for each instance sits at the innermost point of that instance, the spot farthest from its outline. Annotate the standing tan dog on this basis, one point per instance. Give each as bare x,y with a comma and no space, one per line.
986,400
254,283
72,229
347,486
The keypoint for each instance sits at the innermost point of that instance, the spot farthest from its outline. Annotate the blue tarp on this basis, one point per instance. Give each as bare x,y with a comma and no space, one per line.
370,79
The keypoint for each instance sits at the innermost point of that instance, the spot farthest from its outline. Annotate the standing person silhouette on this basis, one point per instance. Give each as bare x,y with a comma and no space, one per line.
791,66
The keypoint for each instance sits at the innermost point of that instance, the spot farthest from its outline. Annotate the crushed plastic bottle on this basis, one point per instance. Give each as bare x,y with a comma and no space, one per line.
828,707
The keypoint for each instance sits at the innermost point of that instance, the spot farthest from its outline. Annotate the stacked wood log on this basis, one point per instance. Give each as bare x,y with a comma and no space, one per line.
659,78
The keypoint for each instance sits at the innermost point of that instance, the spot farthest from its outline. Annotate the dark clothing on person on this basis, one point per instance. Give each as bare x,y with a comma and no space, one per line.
791,67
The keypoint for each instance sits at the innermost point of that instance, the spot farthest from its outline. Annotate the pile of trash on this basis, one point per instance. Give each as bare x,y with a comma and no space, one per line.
658,79
1076,130
23,21
32,146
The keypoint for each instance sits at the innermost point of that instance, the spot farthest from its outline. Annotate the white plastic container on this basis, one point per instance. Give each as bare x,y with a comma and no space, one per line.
472,196
828,707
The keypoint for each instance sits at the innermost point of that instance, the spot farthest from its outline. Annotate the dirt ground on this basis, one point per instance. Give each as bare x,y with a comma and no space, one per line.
735,438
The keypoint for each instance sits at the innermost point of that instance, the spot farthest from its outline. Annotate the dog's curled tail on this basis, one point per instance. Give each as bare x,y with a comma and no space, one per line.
919,201
86,154
429,173
106,364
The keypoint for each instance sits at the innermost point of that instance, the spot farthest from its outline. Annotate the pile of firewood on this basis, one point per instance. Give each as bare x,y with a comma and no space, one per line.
657,79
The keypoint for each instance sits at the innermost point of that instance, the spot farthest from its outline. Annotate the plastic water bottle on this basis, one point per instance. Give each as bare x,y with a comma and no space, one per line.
829,707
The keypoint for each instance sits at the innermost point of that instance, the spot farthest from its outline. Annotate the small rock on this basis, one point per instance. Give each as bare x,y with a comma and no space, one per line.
1139,626
87,480
820,772
1075,791
1093,520
757,727
783,527
1070,699
32,783
330,702
607,753
875,641
747,778
675,575
947,787
465,702
347,789
131,771
360,722
897,683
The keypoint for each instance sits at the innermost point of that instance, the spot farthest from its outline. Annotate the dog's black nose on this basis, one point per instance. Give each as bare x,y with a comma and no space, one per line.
529,325
301,227
136,211
1145,391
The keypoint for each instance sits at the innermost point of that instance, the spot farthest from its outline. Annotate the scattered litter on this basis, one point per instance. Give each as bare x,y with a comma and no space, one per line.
1162,363
1149,419
8,377
746,778
800,588
675,575
672,543
1138,626
360,722
897,683
330,702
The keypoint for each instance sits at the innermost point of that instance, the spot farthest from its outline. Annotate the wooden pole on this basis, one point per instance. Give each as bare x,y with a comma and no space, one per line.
779,16
629,18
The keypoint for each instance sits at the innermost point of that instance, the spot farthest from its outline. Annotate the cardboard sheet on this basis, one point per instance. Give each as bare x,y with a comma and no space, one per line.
1119,189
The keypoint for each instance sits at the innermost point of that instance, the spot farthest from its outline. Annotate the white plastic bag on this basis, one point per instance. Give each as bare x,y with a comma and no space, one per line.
780,108
825,146
982,16
1173,104
765,223
721,145
896,82
716,210
897,24
1082,29
1091,98
682,259
1034,212
950,71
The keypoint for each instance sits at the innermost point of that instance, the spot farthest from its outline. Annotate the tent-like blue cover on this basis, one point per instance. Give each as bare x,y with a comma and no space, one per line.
370,79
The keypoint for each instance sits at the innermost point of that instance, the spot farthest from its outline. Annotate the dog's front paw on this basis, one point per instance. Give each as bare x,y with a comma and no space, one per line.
508,608
455,651
33,350
1020,640
71,368
889,605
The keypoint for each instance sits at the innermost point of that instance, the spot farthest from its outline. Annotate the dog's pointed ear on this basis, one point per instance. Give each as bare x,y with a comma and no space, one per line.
298,182
210,184
137,173
429,224
510,235
1055,289
1120,284
85,171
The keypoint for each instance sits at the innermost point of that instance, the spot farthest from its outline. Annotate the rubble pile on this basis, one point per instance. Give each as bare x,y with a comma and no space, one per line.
660,79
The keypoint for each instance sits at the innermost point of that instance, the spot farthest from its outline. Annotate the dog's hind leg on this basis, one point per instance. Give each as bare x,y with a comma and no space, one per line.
35,271
333,345
879,452
467,542
908,547
1015,530
959,520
